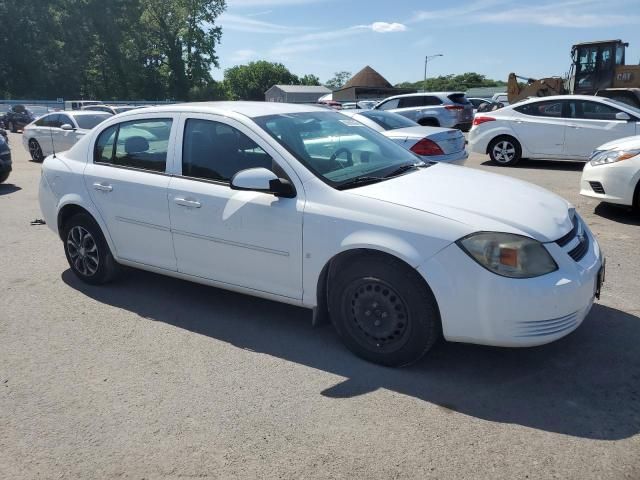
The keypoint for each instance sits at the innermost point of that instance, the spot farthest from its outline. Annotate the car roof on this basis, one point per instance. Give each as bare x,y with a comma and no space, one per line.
77,113
421,94
248,109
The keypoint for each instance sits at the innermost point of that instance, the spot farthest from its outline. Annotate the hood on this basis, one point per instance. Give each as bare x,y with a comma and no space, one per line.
484,201
626,143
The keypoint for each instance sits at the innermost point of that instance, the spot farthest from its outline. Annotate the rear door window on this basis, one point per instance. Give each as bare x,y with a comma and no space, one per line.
140,144
551,108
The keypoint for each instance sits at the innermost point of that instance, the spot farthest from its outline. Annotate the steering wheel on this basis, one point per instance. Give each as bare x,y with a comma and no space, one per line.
339,163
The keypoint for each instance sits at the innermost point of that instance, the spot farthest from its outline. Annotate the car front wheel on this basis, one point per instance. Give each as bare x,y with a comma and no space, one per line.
4,176
383,311
87,251
505,151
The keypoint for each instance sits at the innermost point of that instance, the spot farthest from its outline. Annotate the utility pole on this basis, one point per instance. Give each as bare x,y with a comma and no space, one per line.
426,60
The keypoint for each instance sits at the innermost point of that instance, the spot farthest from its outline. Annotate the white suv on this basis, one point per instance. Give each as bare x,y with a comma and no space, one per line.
302,205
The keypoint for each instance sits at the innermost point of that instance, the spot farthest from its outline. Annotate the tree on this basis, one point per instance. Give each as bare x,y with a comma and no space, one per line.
183,34
309,80
338,80
251,81
461,82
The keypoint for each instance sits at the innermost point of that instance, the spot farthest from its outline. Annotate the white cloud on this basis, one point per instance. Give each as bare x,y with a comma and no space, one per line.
385,27
245,24
241,56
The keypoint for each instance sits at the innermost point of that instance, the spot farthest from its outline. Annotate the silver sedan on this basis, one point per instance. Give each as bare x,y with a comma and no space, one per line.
432,144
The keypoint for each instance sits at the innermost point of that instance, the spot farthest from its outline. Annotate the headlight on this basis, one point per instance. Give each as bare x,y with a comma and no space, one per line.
508,255
610,156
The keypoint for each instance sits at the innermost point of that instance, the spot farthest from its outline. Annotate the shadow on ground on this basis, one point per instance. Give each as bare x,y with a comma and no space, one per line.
7,188
617,213
524,164
586,385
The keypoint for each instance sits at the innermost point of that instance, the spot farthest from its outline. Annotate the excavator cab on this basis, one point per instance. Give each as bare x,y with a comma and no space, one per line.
594,65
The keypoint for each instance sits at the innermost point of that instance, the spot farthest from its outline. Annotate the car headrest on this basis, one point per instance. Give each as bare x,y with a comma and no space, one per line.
136,145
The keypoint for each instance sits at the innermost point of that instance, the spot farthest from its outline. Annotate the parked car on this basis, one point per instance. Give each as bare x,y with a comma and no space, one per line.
18,117
447,109
80,104
612,174
3,134
476,102
112,109
350,106
559,127
239,195
367,104
58,131
502,98
432,144
5,160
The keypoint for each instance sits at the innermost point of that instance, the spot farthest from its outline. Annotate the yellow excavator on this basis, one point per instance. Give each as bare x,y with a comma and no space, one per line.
597,68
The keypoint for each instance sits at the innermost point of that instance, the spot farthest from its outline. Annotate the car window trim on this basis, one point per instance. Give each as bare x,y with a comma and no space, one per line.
137,169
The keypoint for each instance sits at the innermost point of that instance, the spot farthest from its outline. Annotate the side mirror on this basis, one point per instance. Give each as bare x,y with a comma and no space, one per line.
623,116
66,126
262,180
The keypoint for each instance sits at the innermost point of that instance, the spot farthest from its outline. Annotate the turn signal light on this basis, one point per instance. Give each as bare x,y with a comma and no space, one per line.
427,147
479,120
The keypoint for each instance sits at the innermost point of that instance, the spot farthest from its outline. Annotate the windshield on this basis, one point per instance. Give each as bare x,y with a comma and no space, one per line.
388,120
87,122
336,148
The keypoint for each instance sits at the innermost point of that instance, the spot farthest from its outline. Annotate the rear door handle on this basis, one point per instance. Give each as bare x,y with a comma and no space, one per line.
103,187
185,202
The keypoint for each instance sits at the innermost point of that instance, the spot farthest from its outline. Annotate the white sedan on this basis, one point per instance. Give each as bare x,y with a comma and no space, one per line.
613,173
58,132
396,252
433,144
561,127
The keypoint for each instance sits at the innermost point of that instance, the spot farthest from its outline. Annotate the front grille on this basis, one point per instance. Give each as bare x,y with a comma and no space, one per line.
581,250
577,232
597,187
542,328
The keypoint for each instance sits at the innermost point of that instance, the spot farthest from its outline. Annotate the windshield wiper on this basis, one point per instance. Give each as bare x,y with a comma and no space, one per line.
358,182
403,168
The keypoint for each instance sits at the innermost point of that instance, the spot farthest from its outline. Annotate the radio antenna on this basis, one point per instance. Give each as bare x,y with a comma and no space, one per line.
52,144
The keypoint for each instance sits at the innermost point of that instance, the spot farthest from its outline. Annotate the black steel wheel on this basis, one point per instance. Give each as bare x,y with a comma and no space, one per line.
35,151
383,310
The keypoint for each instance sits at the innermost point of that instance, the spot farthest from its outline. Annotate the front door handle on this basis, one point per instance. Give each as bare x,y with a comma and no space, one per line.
185,202
103,187
573,126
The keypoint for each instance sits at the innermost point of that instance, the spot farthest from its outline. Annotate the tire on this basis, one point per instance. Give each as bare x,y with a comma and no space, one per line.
505,151
87,251
636,199
383,311
36,151
12,127
4,176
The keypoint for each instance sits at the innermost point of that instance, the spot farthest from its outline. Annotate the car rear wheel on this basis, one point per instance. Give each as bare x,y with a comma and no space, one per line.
383,311
4,176
505,151
87,251
35,151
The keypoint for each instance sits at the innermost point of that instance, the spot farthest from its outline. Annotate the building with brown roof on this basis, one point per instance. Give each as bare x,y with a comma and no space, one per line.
367,84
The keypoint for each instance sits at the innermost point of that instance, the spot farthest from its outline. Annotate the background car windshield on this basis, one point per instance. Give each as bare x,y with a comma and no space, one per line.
336,148
87,122
388,120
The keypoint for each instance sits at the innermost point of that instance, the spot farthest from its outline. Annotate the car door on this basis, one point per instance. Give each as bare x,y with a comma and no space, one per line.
128,183
540,127
241,238
40,131
592,124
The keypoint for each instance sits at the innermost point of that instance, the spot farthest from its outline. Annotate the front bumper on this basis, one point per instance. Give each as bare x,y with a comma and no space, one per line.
613,183
477,306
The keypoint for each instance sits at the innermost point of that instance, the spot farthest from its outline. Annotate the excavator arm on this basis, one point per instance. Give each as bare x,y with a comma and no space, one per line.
533,88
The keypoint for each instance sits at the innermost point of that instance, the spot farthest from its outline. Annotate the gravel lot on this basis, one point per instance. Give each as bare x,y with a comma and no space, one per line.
153,377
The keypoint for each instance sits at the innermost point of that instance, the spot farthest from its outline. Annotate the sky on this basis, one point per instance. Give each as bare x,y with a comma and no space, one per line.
491,37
